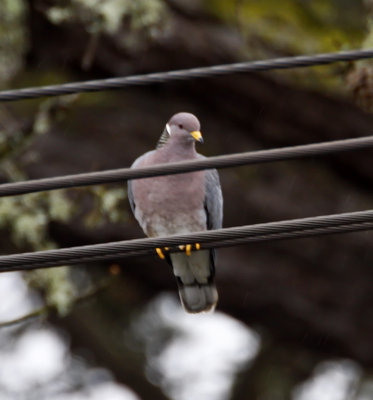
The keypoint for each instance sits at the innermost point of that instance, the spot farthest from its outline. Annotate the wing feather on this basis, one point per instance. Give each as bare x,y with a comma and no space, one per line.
213,200
135,164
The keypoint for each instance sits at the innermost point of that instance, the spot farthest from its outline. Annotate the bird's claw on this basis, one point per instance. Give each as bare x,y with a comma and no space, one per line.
183,247
189,247
160,252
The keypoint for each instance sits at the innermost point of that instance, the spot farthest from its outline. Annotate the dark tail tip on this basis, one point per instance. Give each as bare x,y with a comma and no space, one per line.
198,298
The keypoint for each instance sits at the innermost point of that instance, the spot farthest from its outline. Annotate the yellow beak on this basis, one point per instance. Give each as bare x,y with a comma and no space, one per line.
197,135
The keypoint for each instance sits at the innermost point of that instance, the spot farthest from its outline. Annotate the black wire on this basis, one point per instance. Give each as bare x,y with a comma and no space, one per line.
296,228
224,161
193,73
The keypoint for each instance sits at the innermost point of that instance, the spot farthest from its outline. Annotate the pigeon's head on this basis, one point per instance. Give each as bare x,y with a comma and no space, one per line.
184,126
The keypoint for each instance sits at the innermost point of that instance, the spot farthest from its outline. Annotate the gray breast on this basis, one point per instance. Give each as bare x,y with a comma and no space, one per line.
170,204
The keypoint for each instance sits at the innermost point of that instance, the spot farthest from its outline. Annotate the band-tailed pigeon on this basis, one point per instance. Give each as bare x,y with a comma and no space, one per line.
179,204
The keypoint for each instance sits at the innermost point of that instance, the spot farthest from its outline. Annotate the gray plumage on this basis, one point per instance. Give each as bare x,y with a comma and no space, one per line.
178,204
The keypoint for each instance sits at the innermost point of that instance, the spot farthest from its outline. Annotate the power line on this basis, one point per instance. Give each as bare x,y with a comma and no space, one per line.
224,161
193,73
296,228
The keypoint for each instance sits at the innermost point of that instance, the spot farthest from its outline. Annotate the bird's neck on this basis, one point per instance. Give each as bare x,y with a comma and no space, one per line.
178,149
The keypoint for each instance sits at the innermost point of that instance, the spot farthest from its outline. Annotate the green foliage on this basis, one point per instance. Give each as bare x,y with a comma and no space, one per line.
270,29
13,37
52,111
109,205
107,15
27,217
294,26
57,287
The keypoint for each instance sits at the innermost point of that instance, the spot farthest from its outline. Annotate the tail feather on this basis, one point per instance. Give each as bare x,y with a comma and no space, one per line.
195,278
197,298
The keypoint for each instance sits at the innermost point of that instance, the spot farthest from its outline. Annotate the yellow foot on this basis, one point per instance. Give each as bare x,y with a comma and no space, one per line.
189,247
160,252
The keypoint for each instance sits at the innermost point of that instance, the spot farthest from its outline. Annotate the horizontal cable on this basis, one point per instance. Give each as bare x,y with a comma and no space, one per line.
193,73
225,161
296,228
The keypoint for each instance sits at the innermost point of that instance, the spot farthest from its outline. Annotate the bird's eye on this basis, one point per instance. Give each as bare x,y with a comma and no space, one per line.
180,126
